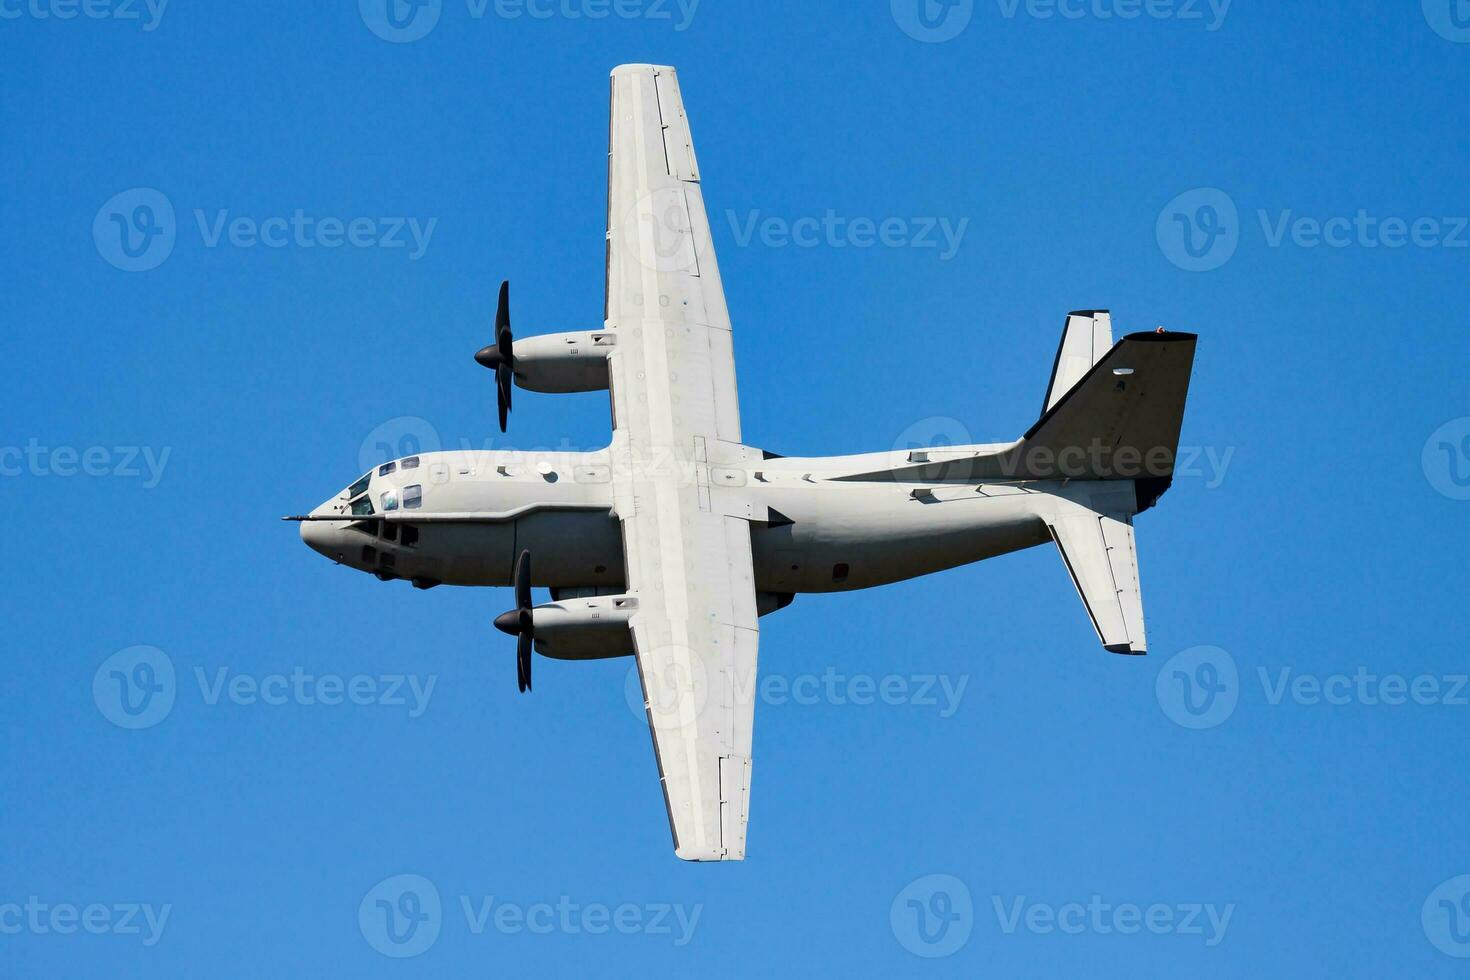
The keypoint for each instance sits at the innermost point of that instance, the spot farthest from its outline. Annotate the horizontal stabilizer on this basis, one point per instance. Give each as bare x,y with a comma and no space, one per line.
1101,555
1087,338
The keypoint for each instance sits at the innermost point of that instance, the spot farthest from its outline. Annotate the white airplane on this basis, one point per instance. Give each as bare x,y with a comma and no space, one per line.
670,544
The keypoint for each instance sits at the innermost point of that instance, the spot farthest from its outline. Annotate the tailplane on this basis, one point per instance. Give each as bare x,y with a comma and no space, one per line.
1093,530
1087,337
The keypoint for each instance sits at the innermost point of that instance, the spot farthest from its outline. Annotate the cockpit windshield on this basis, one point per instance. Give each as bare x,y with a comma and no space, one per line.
362,507
360,487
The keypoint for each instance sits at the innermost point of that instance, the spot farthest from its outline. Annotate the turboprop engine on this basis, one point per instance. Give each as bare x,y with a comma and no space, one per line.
585,628
556,364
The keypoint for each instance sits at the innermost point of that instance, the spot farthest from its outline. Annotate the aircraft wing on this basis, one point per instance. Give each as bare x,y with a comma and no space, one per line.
676,418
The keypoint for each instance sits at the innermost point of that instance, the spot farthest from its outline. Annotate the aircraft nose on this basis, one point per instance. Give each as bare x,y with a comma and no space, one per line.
323,537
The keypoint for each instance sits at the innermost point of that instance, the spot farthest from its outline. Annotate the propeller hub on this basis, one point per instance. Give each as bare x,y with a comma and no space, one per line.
509,623
489,357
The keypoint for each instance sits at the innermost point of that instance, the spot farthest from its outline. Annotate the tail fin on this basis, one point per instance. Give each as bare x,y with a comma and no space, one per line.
1121,421
1113,419
1087,337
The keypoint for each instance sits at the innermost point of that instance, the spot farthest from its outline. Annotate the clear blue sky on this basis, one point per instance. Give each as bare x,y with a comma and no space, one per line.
1326,539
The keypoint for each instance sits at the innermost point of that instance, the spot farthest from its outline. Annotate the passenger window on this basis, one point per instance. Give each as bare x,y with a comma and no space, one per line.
410,536
387,468
412,463
413,497
390,500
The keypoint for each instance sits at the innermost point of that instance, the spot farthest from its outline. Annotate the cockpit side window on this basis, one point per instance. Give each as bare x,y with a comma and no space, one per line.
360,487
389,500
387,468
362,507
413,497
412,463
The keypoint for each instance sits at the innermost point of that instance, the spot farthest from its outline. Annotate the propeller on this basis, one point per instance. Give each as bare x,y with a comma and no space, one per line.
520,622
500,356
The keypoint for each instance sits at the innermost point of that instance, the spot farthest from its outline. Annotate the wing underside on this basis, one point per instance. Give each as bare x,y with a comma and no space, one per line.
675,420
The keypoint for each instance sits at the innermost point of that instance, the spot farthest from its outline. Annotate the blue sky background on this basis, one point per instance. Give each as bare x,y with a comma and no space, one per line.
1333,540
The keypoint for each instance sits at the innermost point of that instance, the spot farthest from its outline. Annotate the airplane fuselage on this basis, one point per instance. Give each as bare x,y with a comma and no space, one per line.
813,531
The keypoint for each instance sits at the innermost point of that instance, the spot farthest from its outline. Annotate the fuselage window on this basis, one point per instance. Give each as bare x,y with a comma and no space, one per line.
412,463
390,500
410,536
413,497
369,555
387,468
840,572
390,531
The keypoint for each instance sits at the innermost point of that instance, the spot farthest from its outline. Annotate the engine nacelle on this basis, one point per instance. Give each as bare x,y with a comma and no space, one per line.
563,363
587,628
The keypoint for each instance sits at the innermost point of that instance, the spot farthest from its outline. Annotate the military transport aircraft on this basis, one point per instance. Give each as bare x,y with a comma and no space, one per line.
670,544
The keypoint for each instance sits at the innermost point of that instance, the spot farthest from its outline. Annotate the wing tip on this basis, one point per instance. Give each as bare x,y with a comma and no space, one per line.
640,69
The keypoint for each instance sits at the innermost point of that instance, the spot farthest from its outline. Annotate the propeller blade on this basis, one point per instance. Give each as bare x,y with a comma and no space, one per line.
502,397
523,581
523,661
502,310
